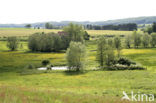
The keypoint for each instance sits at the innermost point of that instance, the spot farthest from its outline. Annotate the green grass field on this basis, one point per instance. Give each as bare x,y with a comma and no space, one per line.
20,86
22,31
26,32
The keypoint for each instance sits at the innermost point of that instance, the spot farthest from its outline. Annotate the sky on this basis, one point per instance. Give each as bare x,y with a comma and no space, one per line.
31,11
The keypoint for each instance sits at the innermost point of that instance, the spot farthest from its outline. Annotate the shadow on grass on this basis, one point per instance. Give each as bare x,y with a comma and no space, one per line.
71,73
40,52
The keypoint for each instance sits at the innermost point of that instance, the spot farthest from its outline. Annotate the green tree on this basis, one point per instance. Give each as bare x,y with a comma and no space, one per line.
110,42
145,40
148,29
86,36
28,26
154,27
105,52
48,26
12,43
136,39
75,56
45,62
153,39
128,41
45,42
65,41
34,42
117,44
75,32
57,43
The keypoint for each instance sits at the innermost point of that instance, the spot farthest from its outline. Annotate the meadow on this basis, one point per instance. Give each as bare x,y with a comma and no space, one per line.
4,32
91,86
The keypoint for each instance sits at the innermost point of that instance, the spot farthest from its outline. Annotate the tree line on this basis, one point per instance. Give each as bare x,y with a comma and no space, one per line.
127,27
140,40
150,29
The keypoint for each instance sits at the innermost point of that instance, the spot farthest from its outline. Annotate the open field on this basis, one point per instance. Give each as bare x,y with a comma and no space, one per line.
26,32
22,31
18,85
59,86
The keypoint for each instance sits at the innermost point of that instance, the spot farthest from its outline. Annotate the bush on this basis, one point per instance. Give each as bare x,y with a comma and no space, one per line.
124,64
45,62
125,61
86,36
49,67
117,67
136,67
124,67
12,43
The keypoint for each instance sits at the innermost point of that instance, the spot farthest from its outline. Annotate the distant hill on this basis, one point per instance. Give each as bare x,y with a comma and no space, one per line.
137,20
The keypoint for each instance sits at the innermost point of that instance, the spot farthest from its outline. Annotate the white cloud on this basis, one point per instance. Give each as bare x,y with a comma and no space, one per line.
24,11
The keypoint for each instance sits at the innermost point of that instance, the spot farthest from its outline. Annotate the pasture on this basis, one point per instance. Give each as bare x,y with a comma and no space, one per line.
91,86
4,32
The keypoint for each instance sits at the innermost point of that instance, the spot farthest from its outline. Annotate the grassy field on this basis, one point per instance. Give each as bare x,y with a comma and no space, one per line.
22,31
20,86
26,32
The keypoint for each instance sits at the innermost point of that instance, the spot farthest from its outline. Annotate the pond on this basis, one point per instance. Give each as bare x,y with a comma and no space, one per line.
54,68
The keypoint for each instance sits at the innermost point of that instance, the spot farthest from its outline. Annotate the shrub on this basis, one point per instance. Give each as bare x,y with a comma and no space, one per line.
45,62
117,67
125,61
12,43
124,67
136,67
124,64
86,36
49,67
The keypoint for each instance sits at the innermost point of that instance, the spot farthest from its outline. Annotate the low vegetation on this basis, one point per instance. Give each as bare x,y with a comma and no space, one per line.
12,43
